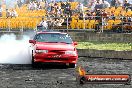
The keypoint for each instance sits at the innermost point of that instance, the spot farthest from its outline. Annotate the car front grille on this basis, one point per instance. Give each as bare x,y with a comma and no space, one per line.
57,51
61,59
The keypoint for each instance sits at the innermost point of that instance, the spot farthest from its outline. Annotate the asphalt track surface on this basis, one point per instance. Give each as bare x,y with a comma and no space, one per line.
58,76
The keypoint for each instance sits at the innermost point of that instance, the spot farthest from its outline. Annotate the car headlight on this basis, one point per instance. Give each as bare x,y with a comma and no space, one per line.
41,51
71,53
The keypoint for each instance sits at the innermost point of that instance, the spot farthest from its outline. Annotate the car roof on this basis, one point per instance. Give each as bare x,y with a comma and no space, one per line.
46,32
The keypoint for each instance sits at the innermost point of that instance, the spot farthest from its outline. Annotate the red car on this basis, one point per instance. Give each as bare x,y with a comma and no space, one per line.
53,47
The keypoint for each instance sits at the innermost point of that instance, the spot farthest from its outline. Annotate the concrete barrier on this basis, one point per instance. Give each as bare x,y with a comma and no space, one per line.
105,53
103,37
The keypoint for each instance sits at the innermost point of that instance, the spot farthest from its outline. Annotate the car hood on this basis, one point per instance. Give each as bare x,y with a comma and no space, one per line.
54,46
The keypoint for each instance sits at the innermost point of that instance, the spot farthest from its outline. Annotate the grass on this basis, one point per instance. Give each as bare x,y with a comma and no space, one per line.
105,46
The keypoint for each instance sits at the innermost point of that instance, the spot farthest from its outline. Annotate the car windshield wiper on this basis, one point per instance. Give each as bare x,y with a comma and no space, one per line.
58,42
64,42
50,42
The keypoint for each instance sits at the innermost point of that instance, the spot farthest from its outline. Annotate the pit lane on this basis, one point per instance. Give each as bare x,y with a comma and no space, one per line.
56,76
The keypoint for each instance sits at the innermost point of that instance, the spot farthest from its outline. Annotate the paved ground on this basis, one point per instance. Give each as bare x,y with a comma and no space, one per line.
24,76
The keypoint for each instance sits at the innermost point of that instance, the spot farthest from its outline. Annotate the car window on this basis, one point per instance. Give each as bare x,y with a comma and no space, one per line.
53,37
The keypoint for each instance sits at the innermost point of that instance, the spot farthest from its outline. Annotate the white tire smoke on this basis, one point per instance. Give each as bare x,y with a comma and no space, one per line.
14,51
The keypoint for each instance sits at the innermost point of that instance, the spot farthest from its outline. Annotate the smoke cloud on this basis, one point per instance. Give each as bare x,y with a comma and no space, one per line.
13,51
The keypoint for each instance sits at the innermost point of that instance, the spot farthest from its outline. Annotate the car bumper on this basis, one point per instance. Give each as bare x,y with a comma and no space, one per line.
47,58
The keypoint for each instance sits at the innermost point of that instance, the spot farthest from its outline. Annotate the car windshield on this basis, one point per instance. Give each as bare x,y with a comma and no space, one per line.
53,38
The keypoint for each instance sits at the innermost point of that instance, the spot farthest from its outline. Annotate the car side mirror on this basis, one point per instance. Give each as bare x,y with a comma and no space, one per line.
32,41
75,43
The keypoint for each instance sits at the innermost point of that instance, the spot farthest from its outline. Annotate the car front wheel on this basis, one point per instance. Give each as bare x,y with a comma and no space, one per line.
72,65
34,64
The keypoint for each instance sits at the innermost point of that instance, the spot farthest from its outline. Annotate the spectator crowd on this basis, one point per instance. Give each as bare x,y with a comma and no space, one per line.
100,10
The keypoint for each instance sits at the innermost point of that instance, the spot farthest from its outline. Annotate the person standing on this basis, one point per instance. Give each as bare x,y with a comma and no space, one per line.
14,13
1,10
44,24
8,13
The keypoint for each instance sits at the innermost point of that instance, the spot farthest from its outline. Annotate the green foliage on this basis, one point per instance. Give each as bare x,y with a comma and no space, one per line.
105,46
